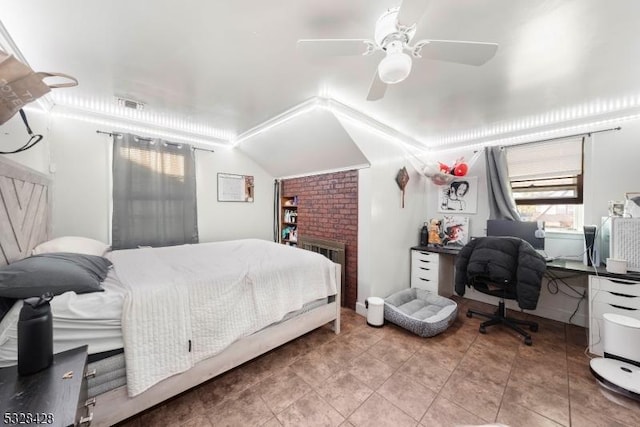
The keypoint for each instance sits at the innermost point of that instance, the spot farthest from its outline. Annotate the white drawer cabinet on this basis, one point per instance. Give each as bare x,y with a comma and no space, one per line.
432,271
424,270
608,295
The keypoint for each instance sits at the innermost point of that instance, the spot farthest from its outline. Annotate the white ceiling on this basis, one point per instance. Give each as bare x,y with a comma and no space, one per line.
228,66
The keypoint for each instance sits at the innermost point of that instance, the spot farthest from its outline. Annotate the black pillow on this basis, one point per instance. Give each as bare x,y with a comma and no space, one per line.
5,306
53,272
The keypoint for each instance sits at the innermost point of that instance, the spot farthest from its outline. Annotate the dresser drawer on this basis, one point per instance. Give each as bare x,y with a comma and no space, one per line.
600,308
430,275
621,286
423,269
84,414
426,283
615,299
424,257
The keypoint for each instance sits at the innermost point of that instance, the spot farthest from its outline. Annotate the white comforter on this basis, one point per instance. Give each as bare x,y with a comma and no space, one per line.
187,303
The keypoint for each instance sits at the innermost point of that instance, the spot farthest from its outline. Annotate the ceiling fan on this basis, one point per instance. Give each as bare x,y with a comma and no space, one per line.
393,34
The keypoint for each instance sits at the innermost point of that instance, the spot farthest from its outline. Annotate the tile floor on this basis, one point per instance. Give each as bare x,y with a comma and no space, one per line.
388,377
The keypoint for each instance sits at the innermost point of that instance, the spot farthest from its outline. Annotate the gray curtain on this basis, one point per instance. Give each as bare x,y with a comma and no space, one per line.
501,202
154,193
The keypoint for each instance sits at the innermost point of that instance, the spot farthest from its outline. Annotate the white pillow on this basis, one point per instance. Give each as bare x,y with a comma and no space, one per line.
78,245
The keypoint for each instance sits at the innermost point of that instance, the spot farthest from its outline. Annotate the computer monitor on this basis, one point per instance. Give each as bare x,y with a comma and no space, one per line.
526,230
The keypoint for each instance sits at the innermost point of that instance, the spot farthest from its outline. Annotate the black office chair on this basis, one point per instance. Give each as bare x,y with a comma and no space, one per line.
503,290
505,267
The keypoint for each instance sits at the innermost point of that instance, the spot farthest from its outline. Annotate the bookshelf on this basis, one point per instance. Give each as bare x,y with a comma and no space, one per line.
289,220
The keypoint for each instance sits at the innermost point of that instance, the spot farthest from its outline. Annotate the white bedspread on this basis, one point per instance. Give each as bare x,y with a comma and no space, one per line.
188,303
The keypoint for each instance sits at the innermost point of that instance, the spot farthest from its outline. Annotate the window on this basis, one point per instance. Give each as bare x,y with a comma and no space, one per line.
154,193
547,181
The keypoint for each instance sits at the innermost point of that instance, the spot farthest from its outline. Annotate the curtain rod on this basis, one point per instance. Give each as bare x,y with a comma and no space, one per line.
149,139
569,136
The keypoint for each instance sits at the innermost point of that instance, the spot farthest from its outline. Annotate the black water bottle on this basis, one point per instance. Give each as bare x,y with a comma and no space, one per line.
424,235
35,335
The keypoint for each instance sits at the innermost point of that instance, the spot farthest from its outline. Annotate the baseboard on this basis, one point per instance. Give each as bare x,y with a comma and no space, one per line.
360,309
563,316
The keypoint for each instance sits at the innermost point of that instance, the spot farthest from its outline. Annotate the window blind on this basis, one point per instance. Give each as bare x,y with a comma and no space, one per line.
543,160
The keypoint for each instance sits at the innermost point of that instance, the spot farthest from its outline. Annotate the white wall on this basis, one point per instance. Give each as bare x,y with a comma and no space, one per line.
232,220
386,230
81,192
13,135
612,169
82,187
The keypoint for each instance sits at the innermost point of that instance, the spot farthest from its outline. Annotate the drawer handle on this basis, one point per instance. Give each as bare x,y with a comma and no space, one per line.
425,253
623,308
86,420
90,374
622,282
424,260
426,280
622,295
90,402
425,268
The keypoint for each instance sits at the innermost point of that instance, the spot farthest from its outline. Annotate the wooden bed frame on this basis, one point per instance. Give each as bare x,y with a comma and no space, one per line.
25,210
25,222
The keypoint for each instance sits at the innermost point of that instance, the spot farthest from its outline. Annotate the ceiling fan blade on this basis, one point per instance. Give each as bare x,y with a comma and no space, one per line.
470,53
377,88
411,11
335,47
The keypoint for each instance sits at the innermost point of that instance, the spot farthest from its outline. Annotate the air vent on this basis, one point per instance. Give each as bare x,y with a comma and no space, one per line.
129,103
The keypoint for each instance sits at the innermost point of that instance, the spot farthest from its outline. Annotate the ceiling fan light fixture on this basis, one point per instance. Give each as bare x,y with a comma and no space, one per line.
395,67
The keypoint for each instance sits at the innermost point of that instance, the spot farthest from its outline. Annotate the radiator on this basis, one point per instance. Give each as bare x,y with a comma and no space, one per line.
331,249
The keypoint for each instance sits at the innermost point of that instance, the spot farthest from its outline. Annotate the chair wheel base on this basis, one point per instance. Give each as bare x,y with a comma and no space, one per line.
500,317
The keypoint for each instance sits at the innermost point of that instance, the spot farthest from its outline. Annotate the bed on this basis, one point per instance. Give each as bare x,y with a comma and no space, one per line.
262,296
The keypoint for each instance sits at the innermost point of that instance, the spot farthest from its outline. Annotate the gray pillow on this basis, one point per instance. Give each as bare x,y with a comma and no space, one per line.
54,272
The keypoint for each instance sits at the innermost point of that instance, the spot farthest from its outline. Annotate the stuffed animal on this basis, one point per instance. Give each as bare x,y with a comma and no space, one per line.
435,232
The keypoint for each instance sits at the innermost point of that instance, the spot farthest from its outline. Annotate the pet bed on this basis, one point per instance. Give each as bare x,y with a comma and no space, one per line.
421,312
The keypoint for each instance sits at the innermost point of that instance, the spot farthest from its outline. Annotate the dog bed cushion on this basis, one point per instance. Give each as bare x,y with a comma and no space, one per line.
421,312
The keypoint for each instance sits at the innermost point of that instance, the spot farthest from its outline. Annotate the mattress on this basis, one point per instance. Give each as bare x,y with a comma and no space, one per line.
93,319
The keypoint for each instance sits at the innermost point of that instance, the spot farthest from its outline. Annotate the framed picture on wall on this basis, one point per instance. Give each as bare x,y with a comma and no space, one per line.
459,196
455,230
235,188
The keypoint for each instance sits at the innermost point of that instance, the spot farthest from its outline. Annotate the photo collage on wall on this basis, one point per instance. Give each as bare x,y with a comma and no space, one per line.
449,231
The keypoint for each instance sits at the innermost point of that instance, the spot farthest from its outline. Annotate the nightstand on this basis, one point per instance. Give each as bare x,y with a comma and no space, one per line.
55,396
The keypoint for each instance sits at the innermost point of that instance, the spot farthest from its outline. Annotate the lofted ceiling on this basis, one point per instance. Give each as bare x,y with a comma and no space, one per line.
225,67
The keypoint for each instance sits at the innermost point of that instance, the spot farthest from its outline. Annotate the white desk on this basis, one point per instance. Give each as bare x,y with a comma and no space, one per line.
433,268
